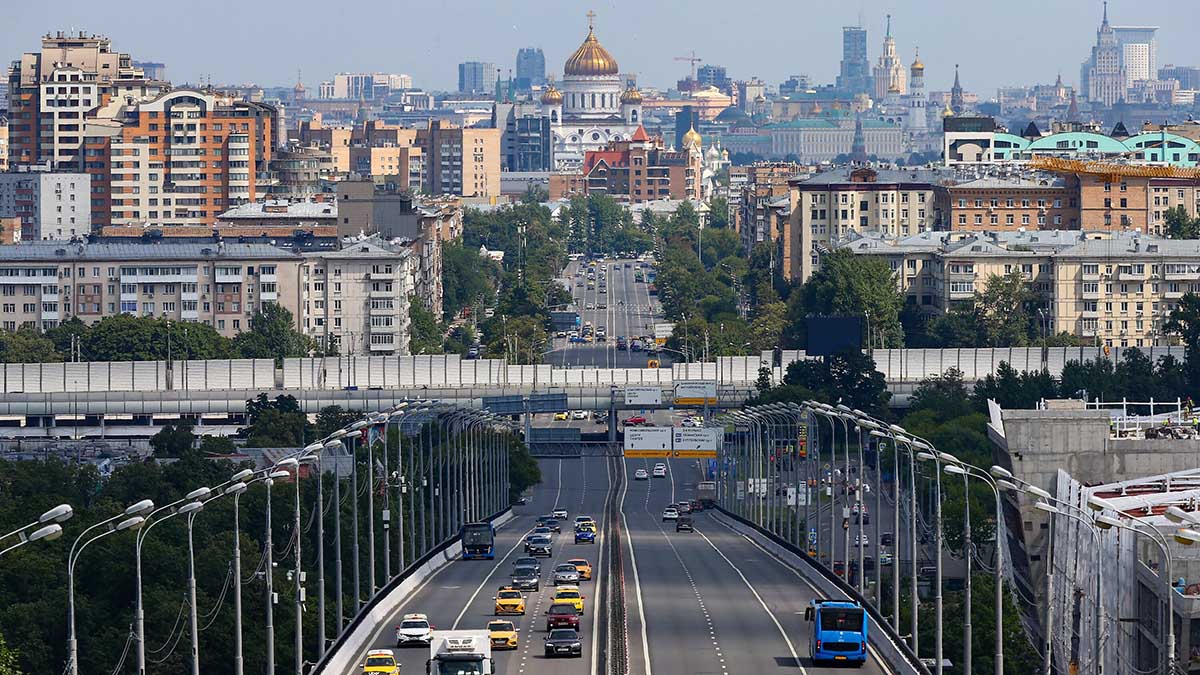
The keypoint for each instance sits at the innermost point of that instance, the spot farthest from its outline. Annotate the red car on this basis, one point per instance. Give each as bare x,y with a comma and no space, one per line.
634,421
562,615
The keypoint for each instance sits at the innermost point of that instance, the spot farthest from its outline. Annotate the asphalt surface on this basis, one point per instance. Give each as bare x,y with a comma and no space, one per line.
709,602
460,595
630,311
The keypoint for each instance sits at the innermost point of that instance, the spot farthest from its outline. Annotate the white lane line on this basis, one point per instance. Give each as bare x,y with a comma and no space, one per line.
637,584
597,571
778,626
783,563
557,493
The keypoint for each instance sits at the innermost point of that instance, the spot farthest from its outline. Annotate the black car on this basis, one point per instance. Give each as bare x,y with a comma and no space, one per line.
526,578
684,524
543,520
528,561
563,642
553,524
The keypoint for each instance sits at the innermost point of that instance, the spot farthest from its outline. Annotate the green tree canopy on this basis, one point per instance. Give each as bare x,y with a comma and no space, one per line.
173,441
849,284
272,335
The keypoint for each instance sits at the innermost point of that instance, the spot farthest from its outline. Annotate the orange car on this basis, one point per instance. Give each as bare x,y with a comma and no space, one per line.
584,567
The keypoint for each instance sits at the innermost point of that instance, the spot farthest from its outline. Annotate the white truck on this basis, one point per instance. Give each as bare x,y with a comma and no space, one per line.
460,652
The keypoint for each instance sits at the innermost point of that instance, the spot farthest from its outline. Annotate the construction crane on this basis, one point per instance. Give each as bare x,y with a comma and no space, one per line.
1098,168
693,60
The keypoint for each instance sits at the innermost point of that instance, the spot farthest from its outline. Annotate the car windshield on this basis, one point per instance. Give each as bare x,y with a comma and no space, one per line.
562,609
526,562
539,539
565,568
567,595
460,668
414,624
380,661
841,619
563,634
578,561
499,626
510,595
525,572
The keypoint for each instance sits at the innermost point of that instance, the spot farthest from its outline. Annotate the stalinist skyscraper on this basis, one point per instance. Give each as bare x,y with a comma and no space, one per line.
890,75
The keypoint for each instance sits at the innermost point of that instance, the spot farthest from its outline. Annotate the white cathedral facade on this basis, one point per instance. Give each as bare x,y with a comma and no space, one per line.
592,109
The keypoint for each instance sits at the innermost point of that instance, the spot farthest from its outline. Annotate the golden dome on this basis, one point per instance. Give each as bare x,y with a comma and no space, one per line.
917,66
948,111
591,59
552,96
631,95
692,138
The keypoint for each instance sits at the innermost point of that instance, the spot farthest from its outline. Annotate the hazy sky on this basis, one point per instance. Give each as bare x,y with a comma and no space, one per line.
266,41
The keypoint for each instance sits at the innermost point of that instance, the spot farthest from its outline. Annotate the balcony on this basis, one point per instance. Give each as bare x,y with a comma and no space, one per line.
1090,294
381,276
1087,329
381,294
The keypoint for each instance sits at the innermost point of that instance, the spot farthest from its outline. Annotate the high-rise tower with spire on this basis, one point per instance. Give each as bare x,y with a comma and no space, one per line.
1102,77
890,70
957,104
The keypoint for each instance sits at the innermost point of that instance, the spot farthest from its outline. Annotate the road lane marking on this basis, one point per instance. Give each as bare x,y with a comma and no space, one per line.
557,494
637,584
597,571
761,602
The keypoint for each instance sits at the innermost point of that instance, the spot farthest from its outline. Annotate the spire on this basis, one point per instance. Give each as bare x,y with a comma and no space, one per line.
889,26
1105,22
956,84
858,148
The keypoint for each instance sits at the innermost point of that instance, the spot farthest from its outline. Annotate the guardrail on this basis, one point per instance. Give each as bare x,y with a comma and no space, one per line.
617,636
892,647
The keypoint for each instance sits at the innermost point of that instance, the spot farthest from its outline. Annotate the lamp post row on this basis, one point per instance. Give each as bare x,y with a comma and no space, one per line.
452,471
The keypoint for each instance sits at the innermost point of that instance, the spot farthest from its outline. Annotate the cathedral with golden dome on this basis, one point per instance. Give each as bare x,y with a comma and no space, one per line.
592,108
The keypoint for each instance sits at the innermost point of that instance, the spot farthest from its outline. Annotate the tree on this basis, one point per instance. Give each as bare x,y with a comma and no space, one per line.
1180,225
1003,307
718,213
945,395
272,335
523,469
849,377
8,659
961,327
217,446
468,279
334,417
520,339
1184,321
278,423
849,284
26,345
766,330
173,441
424,333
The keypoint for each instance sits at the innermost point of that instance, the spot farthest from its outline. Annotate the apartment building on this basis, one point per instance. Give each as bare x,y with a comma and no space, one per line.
403,163
3,143
826,207
464,162
52,92
1008,202
300,172
297,215
357,298
1107,288
49,205
181,158
43,283
642,169
759,185
333,139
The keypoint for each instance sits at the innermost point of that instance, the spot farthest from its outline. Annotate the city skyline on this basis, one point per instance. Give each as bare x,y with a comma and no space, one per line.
645,42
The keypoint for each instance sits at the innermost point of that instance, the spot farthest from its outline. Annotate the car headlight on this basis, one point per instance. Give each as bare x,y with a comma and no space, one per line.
576,645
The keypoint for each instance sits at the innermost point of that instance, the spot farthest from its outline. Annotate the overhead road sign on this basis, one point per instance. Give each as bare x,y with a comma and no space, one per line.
696,392
643,396
653,439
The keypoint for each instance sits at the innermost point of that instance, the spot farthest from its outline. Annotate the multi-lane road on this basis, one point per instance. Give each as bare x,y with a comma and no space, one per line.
629,310
704,603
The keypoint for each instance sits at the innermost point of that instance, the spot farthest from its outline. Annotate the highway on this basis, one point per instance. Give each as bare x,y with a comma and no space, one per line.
460,595
629,310
709,602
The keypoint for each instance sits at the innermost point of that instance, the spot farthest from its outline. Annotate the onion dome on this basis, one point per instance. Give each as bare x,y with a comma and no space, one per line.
552,96
631,95
917,66
590,59
692,138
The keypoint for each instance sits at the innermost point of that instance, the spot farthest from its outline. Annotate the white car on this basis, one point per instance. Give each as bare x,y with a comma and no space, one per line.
690,422
641,474
670,513
660,471
579,414
560,514
866,541
413,629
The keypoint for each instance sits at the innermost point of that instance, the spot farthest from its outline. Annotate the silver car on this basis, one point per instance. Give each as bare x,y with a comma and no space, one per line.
566,573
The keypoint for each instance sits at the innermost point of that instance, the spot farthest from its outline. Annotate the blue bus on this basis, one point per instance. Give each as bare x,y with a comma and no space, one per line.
478,541
839,632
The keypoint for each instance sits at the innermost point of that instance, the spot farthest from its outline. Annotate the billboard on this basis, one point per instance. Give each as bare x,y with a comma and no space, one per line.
829,335
564,320
696,392
662,331
696,441
648,442
639,396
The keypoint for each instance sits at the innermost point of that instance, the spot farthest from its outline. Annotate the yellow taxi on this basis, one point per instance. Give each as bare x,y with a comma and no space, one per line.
503,634
561,416
509,601
589,525
381,662
584,567
569,595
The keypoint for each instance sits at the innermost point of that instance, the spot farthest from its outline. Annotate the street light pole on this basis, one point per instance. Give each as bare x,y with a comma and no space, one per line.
937,596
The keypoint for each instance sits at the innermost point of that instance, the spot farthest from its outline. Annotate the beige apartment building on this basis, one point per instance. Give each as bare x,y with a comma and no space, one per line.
221,284
827,207
3,144
1107,288
1011,202
464,162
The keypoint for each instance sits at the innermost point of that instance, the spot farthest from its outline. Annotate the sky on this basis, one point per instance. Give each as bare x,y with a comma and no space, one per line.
268,41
